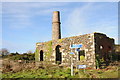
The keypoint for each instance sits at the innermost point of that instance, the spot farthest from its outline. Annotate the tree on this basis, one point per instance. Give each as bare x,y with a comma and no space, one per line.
16,53
4,51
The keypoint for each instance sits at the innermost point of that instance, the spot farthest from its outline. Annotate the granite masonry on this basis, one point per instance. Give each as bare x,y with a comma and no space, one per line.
93,46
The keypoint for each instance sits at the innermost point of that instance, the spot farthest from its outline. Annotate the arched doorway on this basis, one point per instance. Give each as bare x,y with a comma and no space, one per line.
41,55
58,55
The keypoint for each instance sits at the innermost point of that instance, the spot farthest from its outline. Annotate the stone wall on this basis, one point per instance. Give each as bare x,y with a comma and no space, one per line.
46,47
104,46
87,47
59,50
49,49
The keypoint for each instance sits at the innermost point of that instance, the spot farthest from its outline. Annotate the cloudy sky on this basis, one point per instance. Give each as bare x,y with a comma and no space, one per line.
25,23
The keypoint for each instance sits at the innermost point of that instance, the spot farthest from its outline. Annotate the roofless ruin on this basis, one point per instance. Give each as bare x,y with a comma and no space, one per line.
91,47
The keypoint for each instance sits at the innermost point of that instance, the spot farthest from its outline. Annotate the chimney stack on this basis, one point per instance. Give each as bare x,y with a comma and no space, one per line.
56,31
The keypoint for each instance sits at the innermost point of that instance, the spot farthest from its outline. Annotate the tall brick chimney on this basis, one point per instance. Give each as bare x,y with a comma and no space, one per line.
56,31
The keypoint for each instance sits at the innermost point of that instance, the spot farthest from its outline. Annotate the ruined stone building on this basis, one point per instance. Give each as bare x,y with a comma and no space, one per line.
93,46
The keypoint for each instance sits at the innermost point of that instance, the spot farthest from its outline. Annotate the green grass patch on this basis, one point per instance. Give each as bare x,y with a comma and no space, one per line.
62,73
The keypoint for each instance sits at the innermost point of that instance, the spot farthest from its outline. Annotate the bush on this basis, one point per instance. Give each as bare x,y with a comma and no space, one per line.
82,57
22,57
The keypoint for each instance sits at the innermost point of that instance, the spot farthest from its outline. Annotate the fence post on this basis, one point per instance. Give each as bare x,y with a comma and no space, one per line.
71,66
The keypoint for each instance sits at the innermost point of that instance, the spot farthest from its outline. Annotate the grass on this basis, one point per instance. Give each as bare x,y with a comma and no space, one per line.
62,73
39,73
13,69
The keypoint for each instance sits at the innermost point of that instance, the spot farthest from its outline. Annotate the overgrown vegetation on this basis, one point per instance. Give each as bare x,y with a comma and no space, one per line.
30,69
39,73
49,48
17,56
97,61
47,54
36,55
60,40
24,69
55,71
23,57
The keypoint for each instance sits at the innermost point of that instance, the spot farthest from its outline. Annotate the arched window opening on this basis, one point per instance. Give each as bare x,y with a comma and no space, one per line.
58,55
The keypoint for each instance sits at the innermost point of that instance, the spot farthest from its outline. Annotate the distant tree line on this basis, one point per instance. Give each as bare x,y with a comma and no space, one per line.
29,55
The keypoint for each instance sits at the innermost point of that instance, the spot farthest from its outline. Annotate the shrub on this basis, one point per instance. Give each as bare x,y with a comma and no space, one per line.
82,57
22,57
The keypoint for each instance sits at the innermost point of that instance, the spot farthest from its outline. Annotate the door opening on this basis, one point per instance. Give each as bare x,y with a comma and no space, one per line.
41,55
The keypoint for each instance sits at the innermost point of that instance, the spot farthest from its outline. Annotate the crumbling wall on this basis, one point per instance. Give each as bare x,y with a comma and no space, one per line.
46,47
49,49
104,47
87,42
92,44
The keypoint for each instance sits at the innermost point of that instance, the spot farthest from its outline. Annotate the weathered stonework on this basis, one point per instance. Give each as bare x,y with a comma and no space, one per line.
90,46
104,46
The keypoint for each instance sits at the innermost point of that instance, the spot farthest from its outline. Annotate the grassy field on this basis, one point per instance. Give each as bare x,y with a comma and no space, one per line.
63,73
24,69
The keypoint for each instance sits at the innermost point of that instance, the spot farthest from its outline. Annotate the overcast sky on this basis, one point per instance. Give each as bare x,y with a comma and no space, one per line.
25,23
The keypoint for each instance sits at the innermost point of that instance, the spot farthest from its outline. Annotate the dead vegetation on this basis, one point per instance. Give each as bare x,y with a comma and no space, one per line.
15,66
19,65
30,69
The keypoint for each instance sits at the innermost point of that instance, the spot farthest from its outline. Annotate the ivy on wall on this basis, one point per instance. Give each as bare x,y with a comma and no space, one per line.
60,40
37,55
49,50
97,61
